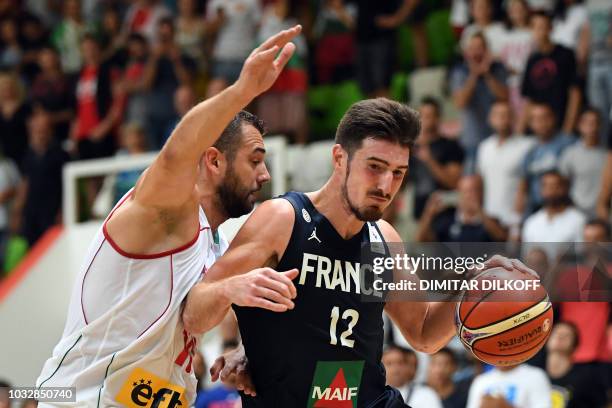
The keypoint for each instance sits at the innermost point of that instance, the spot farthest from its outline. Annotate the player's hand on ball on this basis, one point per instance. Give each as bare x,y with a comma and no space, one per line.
265,63
509,264
232,369
264,288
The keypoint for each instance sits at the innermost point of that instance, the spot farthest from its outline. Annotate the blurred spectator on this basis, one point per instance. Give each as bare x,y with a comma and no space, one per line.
14,112
482,15
97,111
52,91
573,385
9,181
190,29
520,386
283,106
112,40
184,99
558,220
591,318
516,46
133,141
596,46
143,17
452,217
375,35
605,194
39,198
543,157
33,39
10,53
335,43
220,395
67,35
400,366
234,22
476,83
133,84
5,402
499,162
442,367
583,163
569,20
550,75
166,69
29,403
438,164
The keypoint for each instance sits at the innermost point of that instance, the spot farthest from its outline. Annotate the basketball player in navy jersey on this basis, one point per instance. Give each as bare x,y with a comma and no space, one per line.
328,347
326,351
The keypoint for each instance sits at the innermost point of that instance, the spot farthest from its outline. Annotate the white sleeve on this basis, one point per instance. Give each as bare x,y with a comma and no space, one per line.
539,390
429,399
475,394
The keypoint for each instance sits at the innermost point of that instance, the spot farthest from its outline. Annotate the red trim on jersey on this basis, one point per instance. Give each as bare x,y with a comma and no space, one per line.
121,252
85,276
169,300
33,256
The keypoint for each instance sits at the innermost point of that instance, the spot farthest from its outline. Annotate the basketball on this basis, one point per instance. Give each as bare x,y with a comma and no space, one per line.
504,327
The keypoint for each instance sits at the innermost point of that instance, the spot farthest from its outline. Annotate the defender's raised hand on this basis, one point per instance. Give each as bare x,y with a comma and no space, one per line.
264,65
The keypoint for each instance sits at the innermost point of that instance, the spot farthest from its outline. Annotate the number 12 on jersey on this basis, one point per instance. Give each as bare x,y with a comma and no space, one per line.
351,314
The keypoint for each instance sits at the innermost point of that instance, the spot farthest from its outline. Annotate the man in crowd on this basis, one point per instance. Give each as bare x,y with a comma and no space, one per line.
401,366
438,161
543,157
475,84
459,216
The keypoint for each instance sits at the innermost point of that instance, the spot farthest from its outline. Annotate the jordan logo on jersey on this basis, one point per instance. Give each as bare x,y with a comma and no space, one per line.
314,235
335,384
145,389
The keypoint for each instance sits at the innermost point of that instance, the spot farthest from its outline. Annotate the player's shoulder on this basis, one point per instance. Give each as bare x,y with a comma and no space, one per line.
389,233
272,216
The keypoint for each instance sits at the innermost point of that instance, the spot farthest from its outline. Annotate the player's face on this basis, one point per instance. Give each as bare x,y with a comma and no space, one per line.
245,176
373,176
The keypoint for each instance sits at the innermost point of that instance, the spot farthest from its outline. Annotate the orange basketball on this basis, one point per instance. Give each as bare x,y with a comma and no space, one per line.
501,324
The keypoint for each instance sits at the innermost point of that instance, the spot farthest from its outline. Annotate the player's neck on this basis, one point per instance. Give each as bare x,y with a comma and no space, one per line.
329,202
215,214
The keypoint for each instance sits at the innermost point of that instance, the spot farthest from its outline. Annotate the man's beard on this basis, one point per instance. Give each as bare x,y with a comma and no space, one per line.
365,214
234,197
556,202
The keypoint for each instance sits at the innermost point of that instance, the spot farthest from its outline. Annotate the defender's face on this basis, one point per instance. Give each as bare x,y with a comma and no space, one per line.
245,176
373,177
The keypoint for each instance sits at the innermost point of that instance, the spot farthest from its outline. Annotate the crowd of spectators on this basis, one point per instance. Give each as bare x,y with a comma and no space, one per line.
530,83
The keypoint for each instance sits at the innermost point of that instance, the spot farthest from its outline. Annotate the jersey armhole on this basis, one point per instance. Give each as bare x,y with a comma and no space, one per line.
126,254
294,205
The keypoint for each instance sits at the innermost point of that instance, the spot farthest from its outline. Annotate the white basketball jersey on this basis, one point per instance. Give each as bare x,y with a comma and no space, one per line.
124,343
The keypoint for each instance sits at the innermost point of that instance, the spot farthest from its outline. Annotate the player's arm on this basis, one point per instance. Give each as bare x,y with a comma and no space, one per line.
243,275
203,124
164,201
427,326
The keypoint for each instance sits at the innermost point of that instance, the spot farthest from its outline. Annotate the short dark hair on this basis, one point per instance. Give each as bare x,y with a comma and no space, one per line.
88,36
431,101
557,174
166,21
449,353
598,222
542,14
574,328
378,118
229,140
137,37
594,111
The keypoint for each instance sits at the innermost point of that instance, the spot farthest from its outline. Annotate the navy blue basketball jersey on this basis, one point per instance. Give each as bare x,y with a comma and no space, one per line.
327,351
